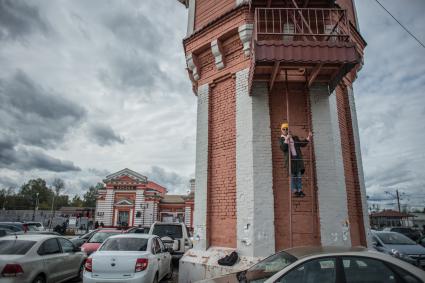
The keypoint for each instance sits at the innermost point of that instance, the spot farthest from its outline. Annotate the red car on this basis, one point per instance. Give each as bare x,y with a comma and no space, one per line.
94,242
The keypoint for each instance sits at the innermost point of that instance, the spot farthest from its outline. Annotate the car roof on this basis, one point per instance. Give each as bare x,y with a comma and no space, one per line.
301,252
109,230
29,237
133,235
168,223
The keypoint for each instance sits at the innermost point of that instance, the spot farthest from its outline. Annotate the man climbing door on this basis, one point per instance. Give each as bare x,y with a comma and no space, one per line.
292,144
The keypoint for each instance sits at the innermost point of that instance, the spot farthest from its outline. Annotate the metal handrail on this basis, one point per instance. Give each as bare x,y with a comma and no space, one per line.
298,24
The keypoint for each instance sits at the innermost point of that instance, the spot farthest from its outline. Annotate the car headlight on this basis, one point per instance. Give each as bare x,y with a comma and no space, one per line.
396,253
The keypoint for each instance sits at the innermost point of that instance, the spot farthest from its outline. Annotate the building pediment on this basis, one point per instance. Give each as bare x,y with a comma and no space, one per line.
126,177
124,202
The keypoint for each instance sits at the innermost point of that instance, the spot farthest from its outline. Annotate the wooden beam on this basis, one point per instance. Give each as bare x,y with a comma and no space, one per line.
335,26
269,3
274,74
306,3
303,19
314,74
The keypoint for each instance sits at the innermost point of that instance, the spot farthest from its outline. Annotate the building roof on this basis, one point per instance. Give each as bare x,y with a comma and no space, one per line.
126,172
390,213
173,199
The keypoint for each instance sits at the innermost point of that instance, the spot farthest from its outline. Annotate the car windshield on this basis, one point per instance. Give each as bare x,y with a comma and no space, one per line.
395,239
266,268
174,231
15,247
125,244
100,237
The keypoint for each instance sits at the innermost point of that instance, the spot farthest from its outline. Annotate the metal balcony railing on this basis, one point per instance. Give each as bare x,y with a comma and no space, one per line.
302,24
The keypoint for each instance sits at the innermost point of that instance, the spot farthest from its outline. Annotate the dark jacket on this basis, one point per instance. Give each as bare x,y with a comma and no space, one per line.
297,163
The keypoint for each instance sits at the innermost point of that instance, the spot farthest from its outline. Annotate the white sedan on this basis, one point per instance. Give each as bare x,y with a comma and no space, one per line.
129,258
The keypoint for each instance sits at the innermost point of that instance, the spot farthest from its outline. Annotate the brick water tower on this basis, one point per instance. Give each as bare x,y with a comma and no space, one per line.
254,65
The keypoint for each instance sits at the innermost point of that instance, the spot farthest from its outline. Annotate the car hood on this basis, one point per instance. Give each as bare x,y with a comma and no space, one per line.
90,247
229,278
407,249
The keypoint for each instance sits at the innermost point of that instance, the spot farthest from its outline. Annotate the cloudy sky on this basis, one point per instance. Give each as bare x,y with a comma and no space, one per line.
88,88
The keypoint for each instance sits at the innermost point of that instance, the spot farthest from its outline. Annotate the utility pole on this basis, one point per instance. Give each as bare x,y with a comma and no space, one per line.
398,201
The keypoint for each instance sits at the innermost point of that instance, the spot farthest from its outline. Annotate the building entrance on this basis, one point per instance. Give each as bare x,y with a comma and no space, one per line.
123,218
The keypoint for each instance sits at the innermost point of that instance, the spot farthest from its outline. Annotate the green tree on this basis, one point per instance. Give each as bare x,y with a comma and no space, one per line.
77,201
58,185
90,195
30,190
5,196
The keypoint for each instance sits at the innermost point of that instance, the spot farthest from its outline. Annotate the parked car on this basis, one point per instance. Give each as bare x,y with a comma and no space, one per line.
94,242
129,258
34,226
39,259
174,235
15,226
327,264
421,241
406,231
399,246
80,240
139,230
6,232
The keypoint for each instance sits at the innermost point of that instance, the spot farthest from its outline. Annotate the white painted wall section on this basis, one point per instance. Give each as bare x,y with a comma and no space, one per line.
332,194
254,179
359,164
201,171
191,17
140,199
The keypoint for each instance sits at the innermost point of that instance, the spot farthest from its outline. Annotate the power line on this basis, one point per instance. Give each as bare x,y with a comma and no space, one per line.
423,45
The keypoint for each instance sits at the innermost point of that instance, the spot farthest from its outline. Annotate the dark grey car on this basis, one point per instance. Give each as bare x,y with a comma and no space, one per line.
399,246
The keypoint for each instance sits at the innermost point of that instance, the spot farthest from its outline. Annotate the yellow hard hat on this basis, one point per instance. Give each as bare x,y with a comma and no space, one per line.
284,126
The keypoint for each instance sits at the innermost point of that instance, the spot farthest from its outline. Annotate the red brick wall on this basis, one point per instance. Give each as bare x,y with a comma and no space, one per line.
222,165
208,10
305,230
354,203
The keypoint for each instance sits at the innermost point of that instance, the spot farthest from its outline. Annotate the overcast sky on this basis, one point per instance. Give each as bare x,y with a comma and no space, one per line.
88,88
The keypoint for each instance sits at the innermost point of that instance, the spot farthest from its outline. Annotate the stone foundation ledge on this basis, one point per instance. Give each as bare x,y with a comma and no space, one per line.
198,265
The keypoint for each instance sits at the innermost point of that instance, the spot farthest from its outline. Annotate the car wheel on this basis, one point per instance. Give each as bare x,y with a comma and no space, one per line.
170,274
39,279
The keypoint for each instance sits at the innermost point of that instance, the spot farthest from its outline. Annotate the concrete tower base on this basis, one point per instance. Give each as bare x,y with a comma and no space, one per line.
198,265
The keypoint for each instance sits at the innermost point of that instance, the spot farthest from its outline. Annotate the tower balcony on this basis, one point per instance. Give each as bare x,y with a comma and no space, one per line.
304,45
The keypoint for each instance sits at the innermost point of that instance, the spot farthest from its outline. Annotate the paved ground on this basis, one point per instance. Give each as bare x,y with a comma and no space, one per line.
172,280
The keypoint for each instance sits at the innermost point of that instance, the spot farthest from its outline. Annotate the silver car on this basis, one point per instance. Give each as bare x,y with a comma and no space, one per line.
129,258
327,265
39,259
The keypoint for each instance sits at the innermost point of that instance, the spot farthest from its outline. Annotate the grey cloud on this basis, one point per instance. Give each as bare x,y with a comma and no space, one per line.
132,71
14,157
99,172
34,115
6,182
174,182
104,135
18,19
136,29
